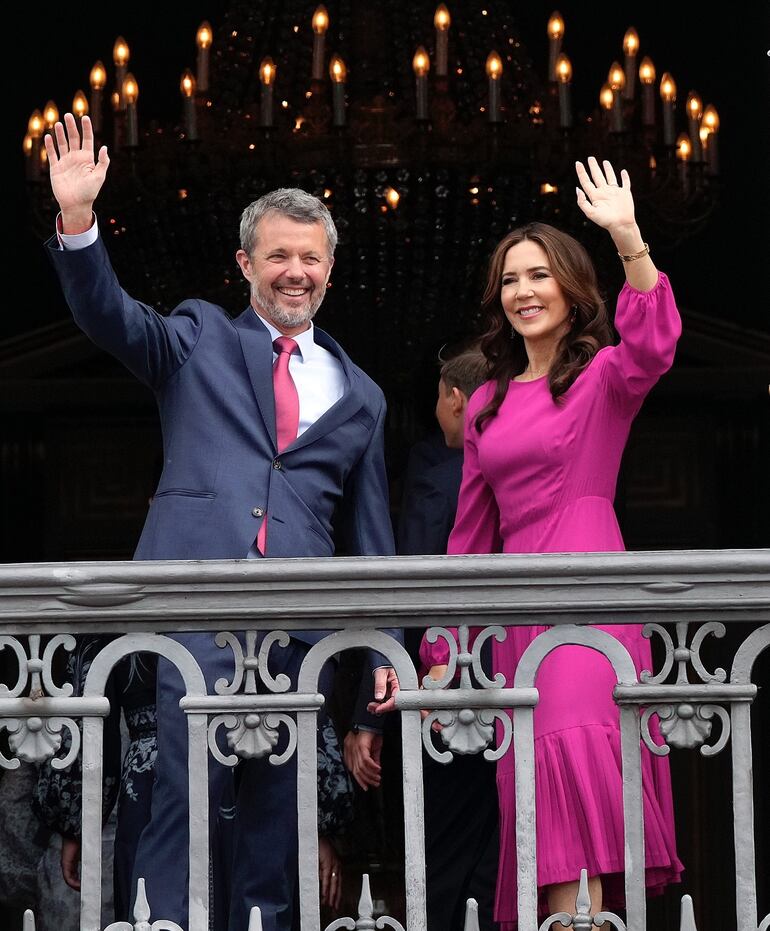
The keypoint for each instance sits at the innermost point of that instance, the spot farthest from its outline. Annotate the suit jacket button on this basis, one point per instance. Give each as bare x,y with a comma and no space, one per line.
277,464
258,512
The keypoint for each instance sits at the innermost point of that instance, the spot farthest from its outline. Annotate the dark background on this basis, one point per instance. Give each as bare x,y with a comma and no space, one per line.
716,50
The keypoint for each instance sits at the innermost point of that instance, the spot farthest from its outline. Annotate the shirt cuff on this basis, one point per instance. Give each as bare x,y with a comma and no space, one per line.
69,242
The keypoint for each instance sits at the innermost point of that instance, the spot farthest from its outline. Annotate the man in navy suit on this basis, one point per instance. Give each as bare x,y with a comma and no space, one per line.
232,486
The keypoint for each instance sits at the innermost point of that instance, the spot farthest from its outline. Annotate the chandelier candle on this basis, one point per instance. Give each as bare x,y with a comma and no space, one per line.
630,48
320,25
97,79
421,67
494,73
442,21
203,39
647,80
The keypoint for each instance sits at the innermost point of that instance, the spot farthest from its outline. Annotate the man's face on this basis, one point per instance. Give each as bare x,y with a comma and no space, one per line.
288,271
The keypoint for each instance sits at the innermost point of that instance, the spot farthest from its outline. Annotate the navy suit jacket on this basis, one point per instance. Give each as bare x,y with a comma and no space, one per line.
212,378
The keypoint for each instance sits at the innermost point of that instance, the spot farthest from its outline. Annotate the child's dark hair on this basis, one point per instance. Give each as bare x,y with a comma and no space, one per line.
467,371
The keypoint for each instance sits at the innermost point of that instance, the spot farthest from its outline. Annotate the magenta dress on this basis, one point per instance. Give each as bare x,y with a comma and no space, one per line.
540,478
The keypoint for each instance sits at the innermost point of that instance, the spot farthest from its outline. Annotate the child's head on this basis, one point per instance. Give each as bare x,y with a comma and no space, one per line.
459,377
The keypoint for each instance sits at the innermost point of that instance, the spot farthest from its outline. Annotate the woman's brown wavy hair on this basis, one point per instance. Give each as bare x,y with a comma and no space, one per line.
574,271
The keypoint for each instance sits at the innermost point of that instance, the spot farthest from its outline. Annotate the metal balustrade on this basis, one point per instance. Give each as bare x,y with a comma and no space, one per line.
695,594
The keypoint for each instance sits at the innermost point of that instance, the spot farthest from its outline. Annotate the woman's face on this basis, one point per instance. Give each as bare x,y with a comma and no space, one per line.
532,299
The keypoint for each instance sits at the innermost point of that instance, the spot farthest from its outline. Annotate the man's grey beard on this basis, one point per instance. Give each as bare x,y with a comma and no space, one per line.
279,315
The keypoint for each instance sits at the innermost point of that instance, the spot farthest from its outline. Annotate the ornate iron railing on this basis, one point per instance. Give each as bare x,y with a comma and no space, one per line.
700,590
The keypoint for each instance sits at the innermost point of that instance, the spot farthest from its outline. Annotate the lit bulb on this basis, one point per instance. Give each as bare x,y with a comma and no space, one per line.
267,71
711,118
130,89
494,66
421,62
120,52
631,41
668,88
617,77
683,147
80,105
563,69
98,76
647,71
338,71
442,20
204,35
35,125
694,106
26,146
392,197
187,83
50,114
606,97
555,25
320,20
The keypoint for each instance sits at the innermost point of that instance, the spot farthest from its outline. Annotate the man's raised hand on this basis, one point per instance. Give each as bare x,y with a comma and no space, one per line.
76,178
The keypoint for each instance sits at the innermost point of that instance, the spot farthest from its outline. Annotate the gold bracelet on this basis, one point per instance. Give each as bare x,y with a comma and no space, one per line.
635,255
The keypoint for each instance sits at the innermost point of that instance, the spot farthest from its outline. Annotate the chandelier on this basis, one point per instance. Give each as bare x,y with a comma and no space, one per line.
427,131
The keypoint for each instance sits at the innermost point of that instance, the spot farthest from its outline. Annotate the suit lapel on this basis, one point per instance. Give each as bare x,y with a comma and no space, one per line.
350,402
257,349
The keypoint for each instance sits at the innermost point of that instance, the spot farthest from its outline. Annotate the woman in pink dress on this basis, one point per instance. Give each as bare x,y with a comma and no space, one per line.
543,443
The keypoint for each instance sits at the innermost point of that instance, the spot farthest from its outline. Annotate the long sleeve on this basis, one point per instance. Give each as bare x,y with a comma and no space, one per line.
150,345
477,524
649,326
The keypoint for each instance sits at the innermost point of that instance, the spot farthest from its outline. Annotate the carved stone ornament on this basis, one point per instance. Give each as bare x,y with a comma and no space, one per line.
252,736
466,730
37,739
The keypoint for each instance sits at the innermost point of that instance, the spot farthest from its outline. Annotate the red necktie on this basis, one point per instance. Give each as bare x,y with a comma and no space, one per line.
286,409
285,391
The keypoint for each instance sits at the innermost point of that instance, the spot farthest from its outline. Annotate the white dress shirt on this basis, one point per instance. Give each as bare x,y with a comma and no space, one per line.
318,375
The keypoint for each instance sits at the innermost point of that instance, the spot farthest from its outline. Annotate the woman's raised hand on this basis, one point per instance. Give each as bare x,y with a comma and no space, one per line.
76,178
601,198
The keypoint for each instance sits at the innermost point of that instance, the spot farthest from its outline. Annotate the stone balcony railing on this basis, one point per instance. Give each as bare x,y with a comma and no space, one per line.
682,597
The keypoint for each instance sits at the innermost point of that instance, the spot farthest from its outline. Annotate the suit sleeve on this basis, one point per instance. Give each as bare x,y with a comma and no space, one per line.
366,524
150,345
368,531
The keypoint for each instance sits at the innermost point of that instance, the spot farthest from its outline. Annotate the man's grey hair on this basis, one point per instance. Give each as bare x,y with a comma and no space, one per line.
289,202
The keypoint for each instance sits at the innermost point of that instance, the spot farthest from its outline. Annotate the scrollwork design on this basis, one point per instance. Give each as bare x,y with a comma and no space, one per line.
250,664
683,655
34,670
685,726
252,736
668,664
718,630
465,731
37,739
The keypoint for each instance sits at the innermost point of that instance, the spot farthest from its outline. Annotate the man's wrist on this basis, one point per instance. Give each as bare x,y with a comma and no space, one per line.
75,222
